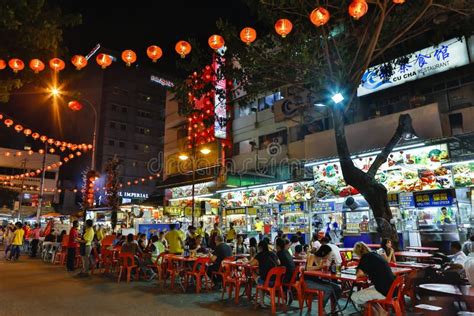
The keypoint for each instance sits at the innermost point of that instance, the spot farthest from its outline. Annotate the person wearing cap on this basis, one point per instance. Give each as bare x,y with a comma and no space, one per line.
321,260
191,237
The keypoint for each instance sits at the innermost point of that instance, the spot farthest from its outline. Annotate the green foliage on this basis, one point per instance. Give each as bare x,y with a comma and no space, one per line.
29,29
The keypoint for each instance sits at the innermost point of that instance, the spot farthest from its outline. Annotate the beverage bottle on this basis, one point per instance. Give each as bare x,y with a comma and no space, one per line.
186,251
332,267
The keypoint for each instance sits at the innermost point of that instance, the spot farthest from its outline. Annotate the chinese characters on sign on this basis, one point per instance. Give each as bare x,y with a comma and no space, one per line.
434,199
426,62
324,207
292,207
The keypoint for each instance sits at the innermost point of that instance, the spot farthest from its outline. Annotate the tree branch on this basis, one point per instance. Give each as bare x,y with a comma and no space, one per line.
404,127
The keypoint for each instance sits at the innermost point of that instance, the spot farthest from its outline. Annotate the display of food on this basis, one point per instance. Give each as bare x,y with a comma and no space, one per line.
463,175
187,190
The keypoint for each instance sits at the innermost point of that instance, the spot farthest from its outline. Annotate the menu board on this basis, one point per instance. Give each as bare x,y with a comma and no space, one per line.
463,175
292,207
434,199
186,191
406,199
324,206
284,193
408,170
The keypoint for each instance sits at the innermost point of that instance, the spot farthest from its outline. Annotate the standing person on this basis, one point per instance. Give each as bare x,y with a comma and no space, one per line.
214,233
332,228
444,217
231,233
378,271
259,227
221,252
200,230
8,238
386,251
364,225
301,239
174,240
35,233
87,239
17,242
72,246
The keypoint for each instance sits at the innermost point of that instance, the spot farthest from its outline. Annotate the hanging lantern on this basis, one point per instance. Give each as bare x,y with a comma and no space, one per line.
74,105
57,143
79,61
129,57
358,8
16,64
319,16
43,138
18,128
27,132
154,52
57,64
41,151
35,136
399,1
283,27
50,141
3,64
104,60
36,65
248,35
183,48
8,122
216,42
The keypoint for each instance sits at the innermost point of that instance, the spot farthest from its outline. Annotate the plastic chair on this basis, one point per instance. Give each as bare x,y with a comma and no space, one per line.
234,277
391,300
308,295
296,284
277,274
127,262
171,270
159,265
220,273
199,271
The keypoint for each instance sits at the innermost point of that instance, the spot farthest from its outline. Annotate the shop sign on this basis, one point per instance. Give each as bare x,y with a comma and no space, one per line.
292,207
433,199
324,206
173,211
251,211
161,81
188,211
392,199
423,63
406,200
235,211
220,102
132,195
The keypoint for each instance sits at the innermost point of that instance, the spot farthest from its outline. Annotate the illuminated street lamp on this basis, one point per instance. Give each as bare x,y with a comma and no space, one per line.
337,98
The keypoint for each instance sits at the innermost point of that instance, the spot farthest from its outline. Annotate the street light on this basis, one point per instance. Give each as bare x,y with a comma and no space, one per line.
55,91
184,157
337,98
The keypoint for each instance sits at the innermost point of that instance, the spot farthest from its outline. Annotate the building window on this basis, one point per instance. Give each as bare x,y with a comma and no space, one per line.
135,146
144,97
112,124
274,138
111,142
123,127
142,130
114,107
146,149
144,114
134,164
124,110
121,144
119,91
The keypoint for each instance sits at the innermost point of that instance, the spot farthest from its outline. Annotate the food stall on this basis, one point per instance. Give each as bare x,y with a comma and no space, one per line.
281,205
243,219
411,168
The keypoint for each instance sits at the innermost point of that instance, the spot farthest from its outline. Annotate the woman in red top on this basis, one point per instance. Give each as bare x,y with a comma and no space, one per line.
72,246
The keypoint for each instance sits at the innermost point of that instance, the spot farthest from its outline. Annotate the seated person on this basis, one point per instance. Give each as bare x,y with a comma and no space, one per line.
321,260
50,237
335,253
221,252
295,241
376,268
299,253
265,260
468,246
240,247
386,251
252,247
142,242
130,246
199,247
191,238
469,268
118,240
285,258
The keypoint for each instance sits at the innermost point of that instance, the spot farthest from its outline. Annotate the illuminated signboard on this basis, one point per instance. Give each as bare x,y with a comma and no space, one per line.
434,199
136,195
163,82
220,101
292,207
423,63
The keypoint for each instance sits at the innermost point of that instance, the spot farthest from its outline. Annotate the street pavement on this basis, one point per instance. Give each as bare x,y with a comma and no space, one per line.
31,287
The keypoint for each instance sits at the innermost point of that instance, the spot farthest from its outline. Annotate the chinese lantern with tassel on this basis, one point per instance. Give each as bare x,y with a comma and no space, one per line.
248,35
16,64
216,42
358,8
183,48
154,52
283,27
56,64
36,65
104,60
319,16
129,57
79,61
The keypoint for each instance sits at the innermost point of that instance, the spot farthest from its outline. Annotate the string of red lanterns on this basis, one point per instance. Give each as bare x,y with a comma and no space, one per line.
319,17
62,145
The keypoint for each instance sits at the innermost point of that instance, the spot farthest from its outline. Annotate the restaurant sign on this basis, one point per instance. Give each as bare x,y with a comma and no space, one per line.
406,199
423,63
241,211
173,211
434,199
324,207
292,207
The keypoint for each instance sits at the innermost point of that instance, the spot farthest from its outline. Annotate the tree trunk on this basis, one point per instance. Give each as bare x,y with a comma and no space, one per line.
374,193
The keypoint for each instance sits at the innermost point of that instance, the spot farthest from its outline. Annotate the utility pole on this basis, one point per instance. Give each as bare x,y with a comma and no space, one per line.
20,199
43,174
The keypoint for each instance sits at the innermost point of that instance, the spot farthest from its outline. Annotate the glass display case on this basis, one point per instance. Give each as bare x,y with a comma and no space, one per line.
357,221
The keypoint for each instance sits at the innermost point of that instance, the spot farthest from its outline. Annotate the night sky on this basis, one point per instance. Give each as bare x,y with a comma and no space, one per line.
137,24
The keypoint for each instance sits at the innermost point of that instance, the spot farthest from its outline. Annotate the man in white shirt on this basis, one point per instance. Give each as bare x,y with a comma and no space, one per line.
468,246
469,268
458,258
335,251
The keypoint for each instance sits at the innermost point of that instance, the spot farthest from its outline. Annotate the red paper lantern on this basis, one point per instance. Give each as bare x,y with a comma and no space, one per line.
104,60
57,64
74,105
3,64
18,128
129,57
319,16
16,64
27,132
79,61
35,136
399,1
154,52
36,65
216,42
8,122
183,48
248,35
283,27
358,8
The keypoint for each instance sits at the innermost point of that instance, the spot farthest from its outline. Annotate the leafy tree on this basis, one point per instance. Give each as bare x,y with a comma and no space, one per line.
29,29
332,58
